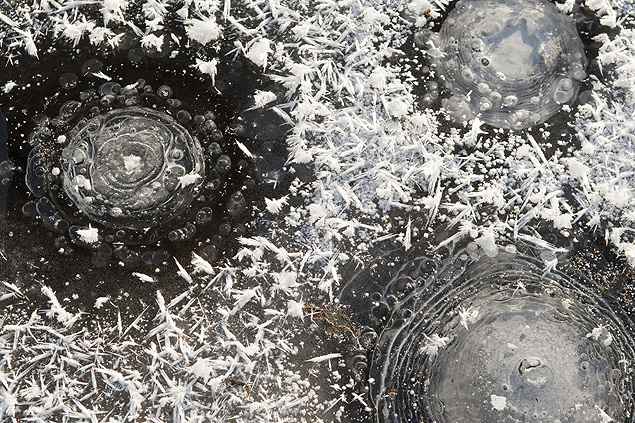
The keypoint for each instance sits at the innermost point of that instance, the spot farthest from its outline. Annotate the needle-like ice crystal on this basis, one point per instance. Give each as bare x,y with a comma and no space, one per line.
514,63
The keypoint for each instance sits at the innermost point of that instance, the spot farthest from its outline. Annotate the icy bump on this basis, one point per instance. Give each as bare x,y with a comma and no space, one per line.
124,168
513,63
534,349
537,356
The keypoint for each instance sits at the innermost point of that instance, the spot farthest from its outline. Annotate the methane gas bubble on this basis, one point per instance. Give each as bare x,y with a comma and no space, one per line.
131,168
118,172
513,64
498,340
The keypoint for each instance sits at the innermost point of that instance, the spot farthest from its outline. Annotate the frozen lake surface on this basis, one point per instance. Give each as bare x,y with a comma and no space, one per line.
267,211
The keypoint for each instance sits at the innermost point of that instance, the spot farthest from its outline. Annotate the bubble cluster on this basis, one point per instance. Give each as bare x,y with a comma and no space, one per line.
131,168
126,166
495,339
513,63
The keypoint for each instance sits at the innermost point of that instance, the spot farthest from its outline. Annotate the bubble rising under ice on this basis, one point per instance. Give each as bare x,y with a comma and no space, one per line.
124,168
514,63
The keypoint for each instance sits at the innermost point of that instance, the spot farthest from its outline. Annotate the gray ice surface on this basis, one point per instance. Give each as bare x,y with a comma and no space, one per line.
5,167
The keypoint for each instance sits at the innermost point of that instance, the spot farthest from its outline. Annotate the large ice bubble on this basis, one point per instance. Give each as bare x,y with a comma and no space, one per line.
513,63
131,168
498,340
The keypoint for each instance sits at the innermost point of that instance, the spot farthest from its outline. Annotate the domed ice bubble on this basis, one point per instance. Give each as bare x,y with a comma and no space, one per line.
498,343
131,168
513,63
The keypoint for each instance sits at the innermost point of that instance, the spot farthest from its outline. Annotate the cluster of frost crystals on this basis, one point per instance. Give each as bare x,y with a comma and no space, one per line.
131,168
514,63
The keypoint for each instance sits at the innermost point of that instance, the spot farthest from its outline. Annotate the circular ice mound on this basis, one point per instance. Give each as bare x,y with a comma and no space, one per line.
131,168
514,63
494,341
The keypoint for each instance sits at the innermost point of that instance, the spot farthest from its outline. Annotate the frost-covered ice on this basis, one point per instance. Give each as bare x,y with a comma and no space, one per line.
373,165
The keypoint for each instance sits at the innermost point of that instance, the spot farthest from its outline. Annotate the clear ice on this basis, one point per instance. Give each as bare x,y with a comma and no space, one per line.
528,359
495,341
131,168
512,63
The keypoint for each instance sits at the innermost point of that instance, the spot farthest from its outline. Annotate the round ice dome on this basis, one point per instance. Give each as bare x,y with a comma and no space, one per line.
498,340
131,168
514,63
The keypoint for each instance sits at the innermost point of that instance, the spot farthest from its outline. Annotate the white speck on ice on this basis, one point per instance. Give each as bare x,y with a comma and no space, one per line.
182,272
57,311
89,235
498,403
274,206
295,309
262,98
605,418
102,76
99,302
601,332
487,241
131,162
81,181
9,86
259,51
325,357
189,179
468,316
143,277
203,30
244,149
201,265
152,41
433,343
209,68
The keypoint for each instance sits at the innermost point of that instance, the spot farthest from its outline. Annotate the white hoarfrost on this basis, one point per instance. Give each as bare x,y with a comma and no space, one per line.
224,348
89,235
498,402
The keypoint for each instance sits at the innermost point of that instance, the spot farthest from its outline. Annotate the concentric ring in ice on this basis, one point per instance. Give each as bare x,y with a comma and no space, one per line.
514,63
131,168
494,341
